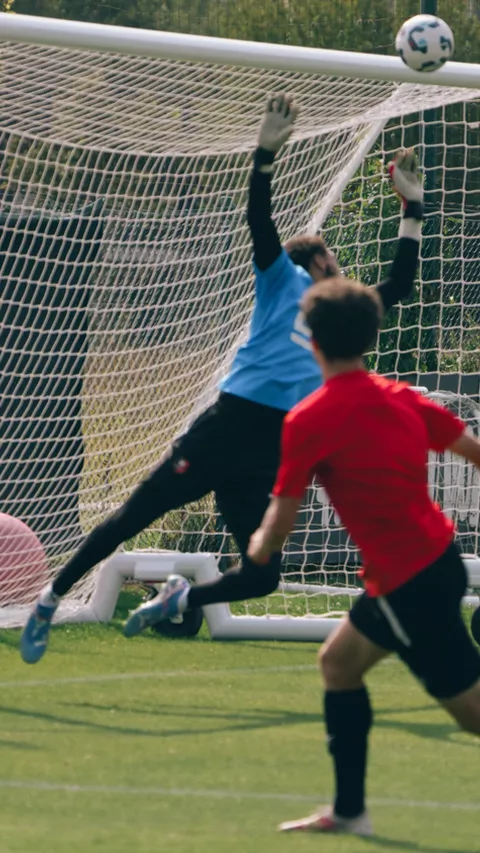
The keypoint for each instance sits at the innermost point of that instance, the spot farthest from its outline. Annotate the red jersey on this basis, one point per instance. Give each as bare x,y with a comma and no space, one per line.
366,439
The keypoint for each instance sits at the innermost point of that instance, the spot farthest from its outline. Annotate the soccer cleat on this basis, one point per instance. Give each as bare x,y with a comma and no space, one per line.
328,821
168,604
34,639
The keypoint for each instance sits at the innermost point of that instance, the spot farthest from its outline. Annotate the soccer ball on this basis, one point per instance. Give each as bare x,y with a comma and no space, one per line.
425,43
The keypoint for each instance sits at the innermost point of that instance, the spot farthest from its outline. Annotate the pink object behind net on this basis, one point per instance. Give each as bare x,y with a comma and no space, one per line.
23,564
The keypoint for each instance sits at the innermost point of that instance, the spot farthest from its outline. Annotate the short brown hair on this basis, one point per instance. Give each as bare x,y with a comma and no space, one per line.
302,248
343,315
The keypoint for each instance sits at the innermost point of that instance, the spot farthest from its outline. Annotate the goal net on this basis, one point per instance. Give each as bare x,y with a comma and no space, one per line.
126,280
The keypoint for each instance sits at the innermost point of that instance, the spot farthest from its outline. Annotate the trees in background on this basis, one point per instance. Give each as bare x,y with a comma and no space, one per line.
362,25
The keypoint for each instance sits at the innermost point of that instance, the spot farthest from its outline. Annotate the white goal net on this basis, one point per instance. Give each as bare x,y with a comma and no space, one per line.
126,279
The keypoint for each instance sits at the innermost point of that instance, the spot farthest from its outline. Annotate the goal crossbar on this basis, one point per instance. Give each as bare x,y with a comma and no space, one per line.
76,35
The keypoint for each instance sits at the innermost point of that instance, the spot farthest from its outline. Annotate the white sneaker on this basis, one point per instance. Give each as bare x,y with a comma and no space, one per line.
328,821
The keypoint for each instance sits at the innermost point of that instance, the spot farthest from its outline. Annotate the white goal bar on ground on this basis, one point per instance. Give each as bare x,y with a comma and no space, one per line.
126,282
154,568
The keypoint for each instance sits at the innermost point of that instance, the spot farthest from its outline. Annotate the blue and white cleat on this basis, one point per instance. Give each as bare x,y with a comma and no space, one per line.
34,639
170,602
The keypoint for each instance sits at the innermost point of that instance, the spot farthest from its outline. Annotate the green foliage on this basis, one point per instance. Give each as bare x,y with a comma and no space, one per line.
364,25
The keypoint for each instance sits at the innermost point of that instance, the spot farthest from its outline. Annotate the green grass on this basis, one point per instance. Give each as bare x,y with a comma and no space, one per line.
241,720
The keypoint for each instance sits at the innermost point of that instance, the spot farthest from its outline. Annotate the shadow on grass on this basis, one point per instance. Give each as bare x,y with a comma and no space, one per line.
395,844
18,744
10,637
223,720
231,722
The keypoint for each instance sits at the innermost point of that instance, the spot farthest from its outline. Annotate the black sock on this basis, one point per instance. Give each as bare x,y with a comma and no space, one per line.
250,581
348,718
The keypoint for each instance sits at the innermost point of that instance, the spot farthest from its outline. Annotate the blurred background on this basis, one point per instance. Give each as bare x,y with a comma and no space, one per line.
365,25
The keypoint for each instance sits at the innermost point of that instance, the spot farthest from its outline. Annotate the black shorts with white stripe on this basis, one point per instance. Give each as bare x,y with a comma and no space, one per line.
422,623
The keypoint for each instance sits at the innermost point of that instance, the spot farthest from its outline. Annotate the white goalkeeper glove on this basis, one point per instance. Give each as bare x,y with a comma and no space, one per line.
403,171
277,123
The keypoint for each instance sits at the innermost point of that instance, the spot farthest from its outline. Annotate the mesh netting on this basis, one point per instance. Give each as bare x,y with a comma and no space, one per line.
126,278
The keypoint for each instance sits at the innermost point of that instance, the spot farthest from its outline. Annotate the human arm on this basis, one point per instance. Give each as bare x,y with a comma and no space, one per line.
447,432
300,452
276,127
399,282
444,429
464,444
277,523
467,446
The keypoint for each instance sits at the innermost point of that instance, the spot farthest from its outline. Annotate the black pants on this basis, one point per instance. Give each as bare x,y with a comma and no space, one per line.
232,449
422,622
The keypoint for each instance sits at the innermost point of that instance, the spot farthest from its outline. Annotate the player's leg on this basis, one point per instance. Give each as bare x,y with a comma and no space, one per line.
247,450
465,709
436,644
184,475
345,658
242,502
166,488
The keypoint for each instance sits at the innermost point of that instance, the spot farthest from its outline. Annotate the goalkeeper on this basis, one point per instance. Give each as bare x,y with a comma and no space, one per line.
233,447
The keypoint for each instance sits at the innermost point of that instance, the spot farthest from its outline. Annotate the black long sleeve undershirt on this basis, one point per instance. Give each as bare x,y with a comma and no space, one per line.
267,246
266,242
401,278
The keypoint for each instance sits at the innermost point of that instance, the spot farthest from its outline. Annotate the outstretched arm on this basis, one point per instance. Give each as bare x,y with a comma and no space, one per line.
446,431
301,450
276,127
277,523
467,446
400,280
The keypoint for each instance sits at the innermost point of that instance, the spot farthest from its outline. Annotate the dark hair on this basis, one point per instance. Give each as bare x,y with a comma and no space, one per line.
343,315
302,248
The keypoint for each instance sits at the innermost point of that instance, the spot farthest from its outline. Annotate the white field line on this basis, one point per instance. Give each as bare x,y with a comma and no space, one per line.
220,795
159,674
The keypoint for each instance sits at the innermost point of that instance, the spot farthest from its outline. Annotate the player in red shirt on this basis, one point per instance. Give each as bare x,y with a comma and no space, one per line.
367,440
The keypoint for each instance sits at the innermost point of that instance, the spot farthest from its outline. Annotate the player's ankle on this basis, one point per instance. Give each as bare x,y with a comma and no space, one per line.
349,814
48,598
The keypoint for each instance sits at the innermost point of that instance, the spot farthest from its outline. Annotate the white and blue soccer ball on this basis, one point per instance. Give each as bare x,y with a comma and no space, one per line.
425,43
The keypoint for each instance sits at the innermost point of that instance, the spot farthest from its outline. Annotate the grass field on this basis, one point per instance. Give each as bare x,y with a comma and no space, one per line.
196,747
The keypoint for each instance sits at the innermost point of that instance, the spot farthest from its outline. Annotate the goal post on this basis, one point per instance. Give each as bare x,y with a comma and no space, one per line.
77,35
126,282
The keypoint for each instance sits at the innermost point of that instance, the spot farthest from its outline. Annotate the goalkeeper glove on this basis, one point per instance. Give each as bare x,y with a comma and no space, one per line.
404,174
275,129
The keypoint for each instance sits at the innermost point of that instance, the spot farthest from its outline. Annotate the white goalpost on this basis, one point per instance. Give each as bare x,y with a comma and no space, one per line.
126,282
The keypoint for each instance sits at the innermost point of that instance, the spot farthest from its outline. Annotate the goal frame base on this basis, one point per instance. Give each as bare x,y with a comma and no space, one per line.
154,567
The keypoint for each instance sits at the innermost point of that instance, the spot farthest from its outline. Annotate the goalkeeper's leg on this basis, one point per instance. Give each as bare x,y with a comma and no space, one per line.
165,489
242,502
178,480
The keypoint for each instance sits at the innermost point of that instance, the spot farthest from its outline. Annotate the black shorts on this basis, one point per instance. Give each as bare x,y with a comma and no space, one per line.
233,437
233,450
422,622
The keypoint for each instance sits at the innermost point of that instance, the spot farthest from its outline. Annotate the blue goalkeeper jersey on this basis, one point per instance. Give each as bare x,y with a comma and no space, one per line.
276,367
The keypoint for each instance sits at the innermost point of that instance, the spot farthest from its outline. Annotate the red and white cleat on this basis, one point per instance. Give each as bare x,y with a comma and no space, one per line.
328,821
